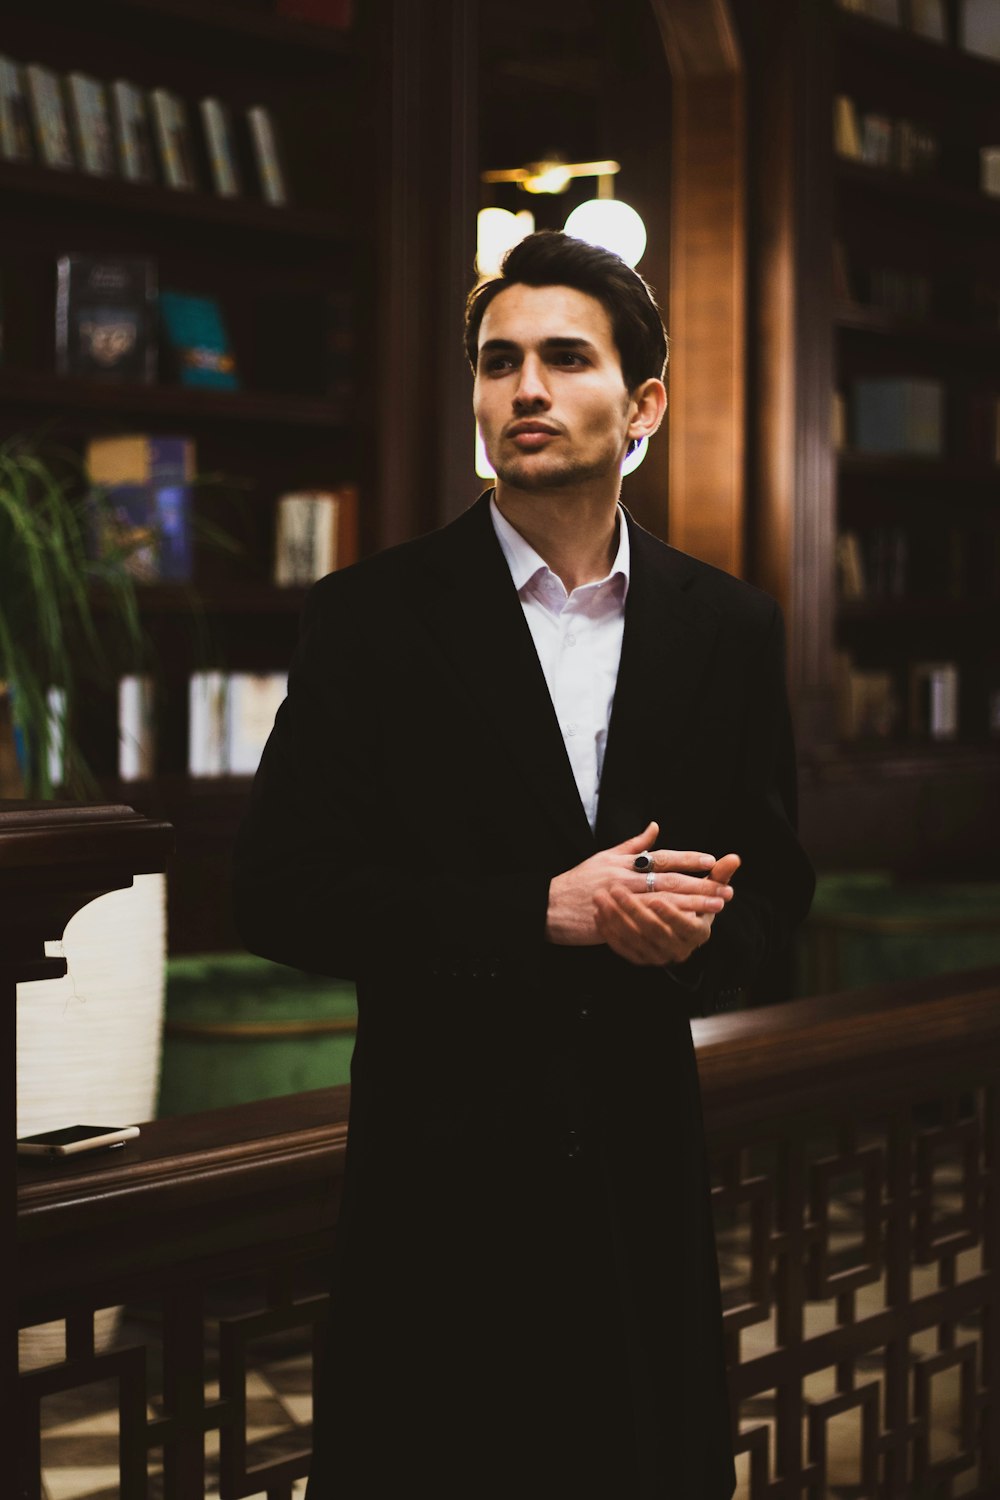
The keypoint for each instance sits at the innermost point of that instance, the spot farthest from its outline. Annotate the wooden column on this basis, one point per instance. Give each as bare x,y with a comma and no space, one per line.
54,858
427,233
706,319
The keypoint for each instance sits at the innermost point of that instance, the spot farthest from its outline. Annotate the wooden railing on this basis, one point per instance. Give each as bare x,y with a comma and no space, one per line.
854,1142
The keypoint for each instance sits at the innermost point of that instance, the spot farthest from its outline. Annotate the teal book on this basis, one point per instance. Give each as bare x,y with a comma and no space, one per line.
195,331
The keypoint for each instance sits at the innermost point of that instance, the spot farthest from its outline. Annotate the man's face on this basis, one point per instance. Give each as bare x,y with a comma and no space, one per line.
550,397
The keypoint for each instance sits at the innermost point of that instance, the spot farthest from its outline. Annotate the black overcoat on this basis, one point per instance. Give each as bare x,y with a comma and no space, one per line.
526,1294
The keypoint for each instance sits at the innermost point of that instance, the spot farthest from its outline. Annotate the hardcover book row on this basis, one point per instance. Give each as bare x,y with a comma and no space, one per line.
118,129
143,512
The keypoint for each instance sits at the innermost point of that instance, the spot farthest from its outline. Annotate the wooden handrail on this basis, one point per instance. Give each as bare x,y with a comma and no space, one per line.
886,1079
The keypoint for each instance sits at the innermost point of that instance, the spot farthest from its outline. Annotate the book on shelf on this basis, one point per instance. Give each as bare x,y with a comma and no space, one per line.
846,128
48,113
135,141
927,19
208,694
906,293
838,422
867,703
230,715
197,338
979,27
914,148
934,700
253,701
898,416
850,567
877,140
989,170
173,137
315,534
217,124
886,562
105,323
146,480
15,123
136,733
266,156
92,123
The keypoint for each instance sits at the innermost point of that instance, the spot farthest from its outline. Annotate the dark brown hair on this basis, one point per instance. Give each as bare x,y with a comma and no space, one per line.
550,258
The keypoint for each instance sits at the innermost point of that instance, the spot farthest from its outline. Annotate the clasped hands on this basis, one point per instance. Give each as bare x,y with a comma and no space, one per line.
605,900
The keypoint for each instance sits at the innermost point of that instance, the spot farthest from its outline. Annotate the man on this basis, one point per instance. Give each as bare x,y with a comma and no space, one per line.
520,763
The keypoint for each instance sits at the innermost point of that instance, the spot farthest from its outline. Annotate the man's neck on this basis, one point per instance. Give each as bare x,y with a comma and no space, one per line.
575,532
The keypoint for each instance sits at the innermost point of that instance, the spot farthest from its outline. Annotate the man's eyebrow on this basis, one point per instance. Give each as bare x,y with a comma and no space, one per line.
557,341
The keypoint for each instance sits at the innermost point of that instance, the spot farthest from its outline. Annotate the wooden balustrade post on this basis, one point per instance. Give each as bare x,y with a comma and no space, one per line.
54,858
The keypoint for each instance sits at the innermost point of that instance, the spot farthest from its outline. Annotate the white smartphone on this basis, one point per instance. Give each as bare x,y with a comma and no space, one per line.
74,1138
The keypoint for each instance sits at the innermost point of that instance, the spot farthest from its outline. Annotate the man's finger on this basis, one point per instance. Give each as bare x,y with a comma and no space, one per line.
641,841
682,860
725,868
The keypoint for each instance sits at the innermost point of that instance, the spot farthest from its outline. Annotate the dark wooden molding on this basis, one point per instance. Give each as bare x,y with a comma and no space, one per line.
707,282
54,858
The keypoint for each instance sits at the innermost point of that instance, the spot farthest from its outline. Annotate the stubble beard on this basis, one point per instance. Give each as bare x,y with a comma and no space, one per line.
520,474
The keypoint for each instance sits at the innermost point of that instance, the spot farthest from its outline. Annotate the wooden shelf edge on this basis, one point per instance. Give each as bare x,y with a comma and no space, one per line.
175,402
910,47
926,190
244,215
857,318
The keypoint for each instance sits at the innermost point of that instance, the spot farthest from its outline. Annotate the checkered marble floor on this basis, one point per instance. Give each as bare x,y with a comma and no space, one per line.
80,1429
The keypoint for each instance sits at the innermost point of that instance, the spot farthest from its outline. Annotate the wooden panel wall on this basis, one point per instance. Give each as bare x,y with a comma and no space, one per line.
707,283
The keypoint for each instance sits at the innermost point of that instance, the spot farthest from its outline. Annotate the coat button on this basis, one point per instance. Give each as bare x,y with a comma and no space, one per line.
583,1014
574,1145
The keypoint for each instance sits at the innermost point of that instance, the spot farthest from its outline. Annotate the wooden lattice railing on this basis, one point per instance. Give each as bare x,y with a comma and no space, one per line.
854,1143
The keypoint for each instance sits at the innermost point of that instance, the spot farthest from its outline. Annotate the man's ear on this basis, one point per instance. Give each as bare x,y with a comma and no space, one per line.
648,405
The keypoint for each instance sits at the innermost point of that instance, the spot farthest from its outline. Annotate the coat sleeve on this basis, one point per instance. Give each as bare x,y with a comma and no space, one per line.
774,886
324,878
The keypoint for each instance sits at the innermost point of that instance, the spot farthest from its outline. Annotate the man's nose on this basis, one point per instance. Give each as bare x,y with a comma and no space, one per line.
532,392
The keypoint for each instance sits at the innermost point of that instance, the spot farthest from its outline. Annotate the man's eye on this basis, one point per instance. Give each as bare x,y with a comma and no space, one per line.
569,358
498,364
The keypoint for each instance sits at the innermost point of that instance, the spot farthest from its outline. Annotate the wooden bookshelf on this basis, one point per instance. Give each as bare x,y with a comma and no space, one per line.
862,271
292,425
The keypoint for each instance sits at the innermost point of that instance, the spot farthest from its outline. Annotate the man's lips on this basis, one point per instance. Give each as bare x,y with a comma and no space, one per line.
531,434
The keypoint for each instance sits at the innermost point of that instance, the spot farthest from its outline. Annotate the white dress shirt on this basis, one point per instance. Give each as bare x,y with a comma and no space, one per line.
578,638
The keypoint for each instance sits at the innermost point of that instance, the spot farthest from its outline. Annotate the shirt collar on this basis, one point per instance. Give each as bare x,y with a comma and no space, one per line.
525,563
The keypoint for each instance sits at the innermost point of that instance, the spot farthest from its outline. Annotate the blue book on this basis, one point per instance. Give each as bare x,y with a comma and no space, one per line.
147,481
195,331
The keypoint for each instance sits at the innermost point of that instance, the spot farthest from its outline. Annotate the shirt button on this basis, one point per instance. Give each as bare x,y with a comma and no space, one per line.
572,729
571,640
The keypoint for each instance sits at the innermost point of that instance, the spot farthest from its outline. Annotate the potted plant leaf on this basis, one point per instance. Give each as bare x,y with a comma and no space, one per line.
53,641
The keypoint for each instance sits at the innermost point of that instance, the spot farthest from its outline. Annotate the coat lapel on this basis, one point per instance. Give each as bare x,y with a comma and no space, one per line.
668,642
470,606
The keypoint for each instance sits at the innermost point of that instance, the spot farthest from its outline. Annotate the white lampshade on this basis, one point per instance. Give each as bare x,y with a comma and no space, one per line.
611,224
635,458
484,469
497,231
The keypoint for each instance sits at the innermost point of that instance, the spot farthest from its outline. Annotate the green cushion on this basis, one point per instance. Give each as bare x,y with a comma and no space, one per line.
866,927
240,1028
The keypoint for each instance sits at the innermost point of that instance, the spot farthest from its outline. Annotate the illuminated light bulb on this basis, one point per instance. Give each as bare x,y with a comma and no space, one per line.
548,177
497,231
611,224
